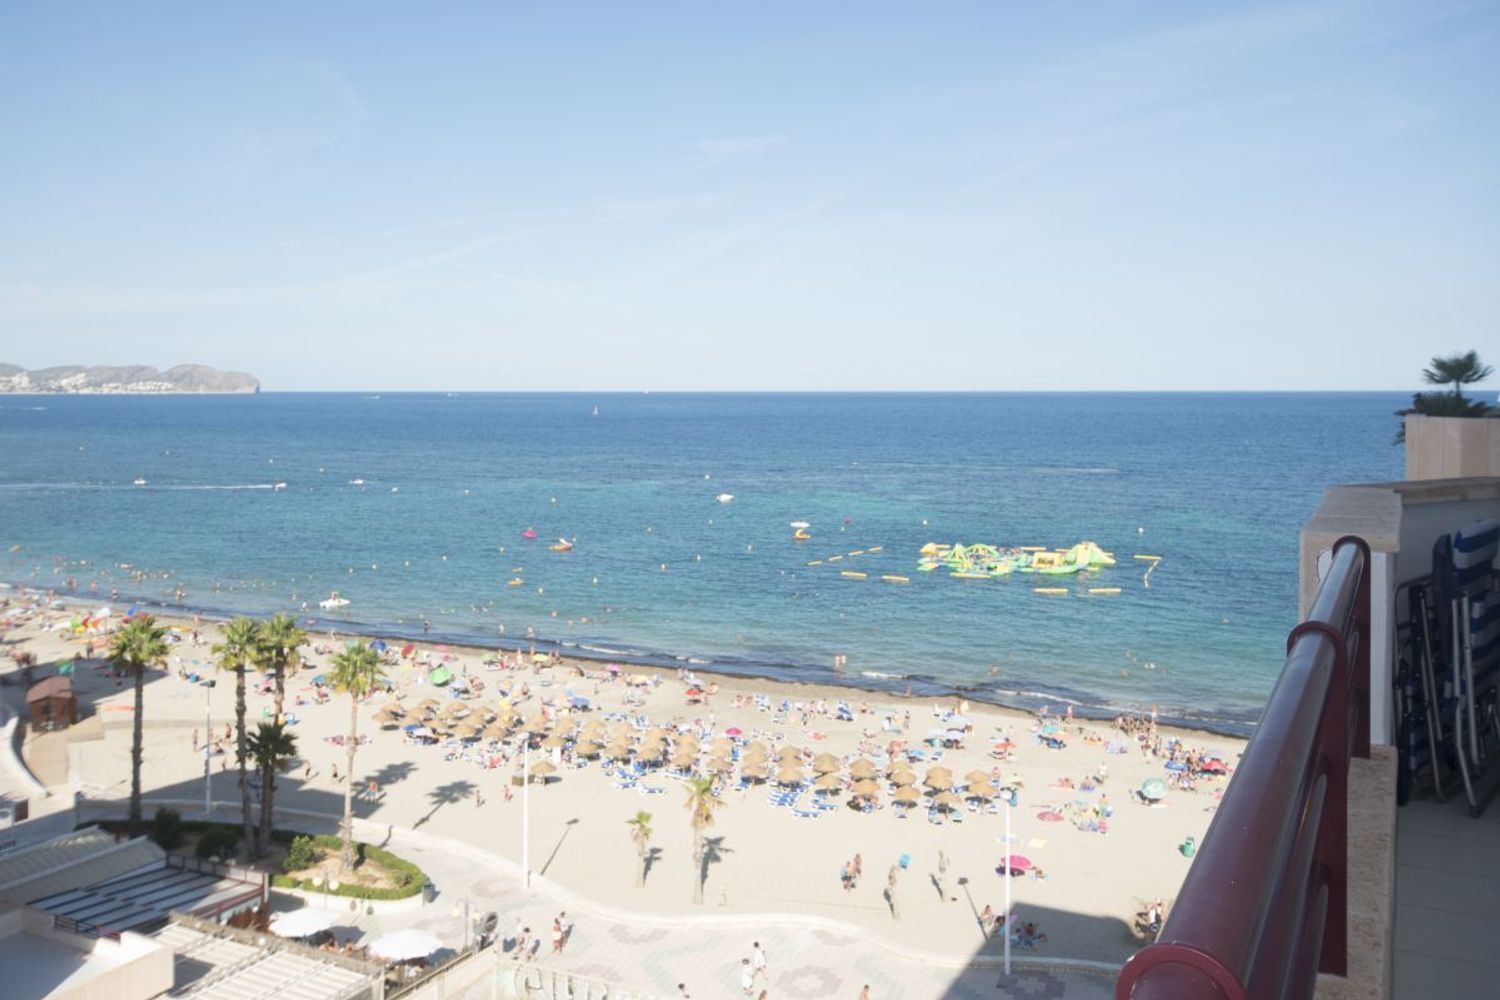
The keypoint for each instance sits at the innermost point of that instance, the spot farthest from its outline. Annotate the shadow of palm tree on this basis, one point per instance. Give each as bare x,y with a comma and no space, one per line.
652,857
390,774
567,828
446,795
713,852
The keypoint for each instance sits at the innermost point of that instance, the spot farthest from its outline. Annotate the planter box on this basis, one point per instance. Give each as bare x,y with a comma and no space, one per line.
1452,447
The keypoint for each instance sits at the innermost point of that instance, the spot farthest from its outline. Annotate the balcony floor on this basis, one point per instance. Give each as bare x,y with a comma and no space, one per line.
1447,938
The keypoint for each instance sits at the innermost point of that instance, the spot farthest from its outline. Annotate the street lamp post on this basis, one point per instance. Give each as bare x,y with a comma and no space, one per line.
526,813
208,739
1009,850
468,922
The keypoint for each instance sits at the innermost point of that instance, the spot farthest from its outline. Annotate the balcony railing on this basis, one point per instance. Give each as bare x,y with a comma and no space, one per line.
1263,909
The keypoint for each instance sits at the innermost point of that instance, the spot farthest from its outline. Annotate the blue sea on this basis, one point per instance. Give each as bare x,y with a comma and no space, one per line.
1218,485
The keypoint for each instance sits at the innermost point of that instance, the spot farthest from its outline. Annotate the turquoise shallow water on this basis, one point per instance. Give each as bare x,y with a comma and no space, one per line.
1218,485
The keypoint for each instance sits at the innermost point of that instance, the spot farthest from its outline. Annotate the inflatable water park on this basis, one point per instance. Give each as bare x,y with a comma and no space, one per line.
982,562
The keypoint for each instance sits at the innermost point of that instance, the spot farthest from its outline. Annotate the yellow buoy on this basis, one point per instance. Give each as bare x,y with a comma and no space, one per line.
876,548
1104,590
857,552
1050,590
853,575
896,579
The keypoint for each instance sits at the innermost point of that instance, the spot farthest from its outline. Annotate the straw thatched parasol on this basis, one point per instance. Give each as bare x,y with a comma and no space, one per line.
756,747
538,723
947,800
789,752
865,788
862,768
722,745
829,782
937,780
984,792
650,754
903,776
907,795
977,777
755,772
718,765
825,763
496,731
541,769
617,751
789,774
588,748
556,740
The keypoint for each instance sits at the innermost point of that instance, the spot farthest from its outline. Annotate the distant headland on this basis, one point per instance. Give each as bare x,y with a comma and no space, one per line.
124,380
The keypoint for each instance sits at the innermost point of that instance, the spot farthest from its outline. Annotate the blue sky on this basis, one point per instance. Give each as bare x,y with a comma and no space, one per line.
804,196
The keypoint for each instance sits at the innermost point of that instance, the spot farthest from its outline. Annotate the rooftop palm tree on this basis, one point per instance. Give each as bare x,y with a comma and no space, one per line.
272,748
640,834
281,637
356,672
140,644
1459,370
701,804
240,649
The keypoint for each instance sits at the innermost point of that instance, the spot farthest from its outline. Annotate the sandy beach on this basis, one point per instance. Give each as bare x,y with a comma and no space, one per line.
1096,853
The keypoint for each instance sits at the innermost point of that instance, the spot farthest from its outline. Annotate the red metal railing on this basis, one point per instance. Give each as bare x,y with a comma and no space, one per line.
1263,909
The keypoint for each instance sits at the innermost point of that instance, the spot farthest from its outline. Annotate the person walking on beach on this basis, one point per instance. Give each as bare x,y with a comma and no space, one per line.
557,936
864,994
942,876
747,977
758,959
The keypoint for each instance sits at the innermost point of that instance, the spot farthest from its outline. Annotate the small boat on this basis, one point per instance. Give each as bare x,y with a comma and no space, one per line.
800,536
514,582
596,411
278,487
724,497
529,534
356,482
799,524
563,545
139,482
333,600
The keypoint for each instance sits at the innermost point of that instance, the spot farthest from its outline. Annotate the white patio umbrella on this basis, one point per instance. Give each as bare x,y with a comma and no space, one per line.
404,946
301,923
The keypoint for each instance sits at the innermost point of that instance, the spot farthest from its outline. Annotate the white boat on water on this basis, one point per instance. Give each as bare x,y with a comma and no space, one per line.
278,487
724,497
356,482
139,482
799,524
332,601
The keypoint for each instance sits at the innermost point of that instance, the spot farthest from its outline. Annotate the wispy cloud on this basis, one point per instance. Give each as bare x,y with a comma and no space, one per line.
733,147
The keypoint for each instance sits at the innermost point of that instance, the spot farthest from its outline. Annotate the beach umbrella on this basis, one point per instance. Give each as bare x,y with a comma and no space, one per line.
722,744
903,776
757,747
984,792
1017,863
650,754
378,645
865,787
977,777
554,742
440,676
825,763
907,795
405,946
653,735
789,753
495,731
789,774
862,768
755,772
718,765
734,731
617,752
947,800
301,923
1153,789
938,779
829,782
538,723
589,748
541,769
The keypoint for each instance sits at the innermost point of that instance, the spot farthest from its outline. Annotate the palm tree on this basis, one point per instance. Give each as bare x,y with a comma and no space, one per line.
281,637
241,648
701,804
272,747
356,671
640,833
140,644
1459,369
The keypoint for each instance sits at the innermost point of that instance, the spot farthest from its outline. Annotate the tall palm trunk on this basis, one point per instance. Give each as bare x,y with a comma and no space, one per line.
267,793
346,855
136,735
252,848
280,695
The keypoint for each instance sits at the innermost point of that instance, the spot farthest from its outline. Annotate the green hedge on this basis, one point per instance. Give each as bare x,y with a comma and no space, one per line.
409,877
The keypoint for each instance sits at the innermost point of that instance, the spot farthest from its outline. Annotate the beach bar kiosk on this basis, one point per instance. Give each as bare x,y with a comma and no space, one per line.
51,704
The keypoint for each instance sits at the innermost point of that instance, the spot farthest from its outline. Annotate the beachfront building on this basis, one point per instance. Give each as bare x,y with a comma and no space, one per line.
1318,883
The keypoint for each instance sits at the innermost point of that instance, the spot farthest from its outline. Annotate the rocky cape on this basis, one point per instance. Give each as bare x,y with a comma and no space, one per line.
138,380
